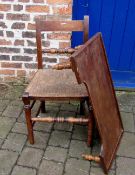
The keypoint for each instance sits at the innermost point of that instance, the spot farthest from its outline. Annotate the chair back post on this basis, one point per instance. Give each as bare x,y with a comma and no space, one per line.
86,29
39,45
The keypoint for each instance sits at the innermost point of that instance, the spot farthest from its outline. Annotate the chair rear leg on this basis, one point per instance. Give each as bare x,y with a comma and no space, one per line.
82,103
43,109
27,110
90,130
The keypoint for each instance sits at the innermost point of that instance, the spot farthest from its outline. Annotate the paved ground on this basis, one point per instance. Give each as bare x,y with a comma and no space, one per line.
58,147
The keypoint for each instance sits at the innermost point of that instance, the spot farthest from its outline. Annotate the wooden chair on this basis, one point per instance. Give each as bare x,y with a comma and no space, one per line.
49,85
91,68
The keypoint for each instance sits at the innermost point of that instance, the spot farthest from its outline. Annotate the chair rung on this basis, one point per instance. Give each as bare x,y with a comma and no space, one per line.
61,119
64,65
91,158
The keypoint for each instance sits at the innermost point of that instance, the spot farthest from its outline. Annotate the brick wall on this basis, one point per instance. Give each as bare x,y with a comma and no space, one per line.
17,35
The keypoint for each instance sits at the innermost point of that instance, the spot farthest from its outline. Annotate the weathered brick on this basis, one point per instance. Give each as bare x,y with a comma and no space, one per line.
31,43
5,42
18,25
30,51
7,161
9,50
38,1
7,72
23,171
21,73
1,33
52,168
10,34
59,36
24,1
50,60
58,17
3,25
15,142
1,16
37,8
33,159
19,42
22,17
4,57
64,44
28,34
43,17
63,10
31,26
21,58
45,43
59,2
30,65
5,7
18,7
11,65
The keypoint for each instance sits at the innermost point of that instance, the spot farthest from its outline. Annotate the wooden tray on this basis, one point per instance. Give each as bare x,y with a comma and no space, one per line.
91,68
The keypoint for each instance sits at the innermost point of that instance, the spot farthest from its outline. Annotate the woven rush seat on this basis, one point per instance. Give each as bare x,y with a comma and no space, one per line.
54,83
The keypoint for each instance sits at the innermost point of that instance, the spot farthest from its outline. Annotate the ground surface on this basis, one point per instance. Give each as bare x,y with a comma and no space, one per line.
58,147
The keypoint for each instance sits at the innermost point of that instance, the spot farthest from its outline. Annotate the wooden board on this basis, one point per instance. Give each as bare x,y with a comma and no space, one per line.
91,68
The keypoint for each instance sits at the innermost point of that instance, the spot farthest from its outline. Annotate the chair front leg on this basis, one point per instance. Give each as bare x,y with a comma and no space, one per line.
27,110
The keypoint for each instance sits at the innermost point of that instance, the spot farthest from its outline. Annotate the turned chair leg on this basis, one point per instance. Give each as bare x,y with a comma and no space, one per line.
27,110
43,109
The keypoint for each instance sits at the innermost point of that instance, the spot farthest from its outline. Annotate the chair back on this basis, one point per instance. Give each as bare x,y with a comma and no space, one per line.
74,25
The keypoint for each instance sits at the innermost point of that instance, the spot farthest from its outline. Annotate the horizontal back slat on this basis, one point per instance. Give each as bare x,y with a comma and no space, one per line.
60,25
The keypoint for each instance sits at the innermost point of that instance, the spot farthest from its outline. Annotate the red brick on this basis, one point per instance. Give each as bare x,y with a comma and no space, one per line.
37,8
18,7
5,42
38,1
31,26
22,17
19,42
10,34
1,16
59,2
59,36
63,10
3,25
64,44
10,79
21,73
18,25
5,7
7,72
11,65
24,1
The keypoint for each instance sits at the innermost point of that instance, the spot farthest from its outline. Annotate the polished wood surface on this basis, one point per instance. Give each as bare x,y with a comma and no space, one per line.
91,67
61,119
63,65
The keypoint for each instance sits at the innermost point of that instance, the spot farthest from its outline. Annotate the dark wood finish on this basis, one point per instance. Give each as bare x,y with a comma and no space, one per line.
27,109
61,119
91,68
53,84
